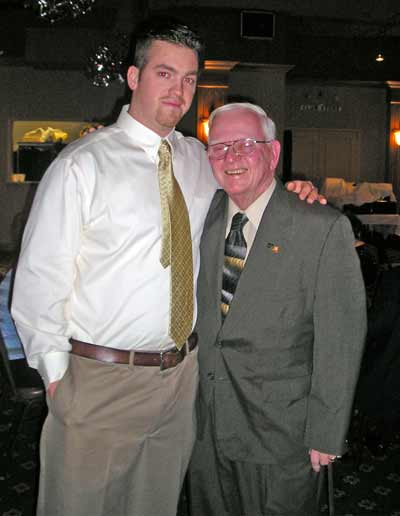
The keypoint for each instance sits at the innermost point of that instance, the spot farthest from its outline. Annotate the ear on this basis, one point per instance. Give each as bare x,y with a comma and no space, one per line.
275,153
132,77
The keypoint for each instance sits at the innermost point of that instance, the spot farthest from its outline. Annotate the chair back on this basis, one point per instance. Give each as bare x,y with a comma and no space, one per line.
7,383
17,377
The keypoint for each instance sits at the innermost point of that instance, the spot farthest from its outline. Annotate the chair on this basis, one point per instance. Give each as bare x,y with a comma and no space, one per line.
24,388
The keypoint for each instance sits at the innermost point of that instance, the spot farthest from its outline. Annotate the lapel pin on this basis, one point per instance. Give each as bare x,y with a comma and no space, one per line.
274,248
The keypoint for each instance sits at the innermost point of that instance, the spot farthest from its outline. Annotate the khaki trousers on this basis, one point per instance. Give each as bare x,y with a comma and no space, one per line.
117,439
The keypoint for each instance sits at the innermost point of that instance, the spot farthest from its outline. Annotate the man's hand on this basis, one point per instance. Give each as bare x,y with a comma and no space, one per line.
306,191
90,129
319,459
51,389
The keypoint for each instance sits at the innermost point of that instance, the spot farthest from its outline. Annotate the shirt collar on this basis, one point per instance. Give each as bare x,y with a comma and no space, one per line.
145,137
255,211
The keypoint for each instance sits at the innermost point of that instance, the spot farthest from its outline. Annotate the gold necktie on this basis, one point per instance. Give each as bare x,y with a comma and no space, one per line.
176,248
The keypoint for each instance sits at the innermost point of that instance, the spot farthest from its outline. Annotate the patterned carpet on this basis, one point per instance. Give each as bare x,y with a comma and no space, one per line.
364,484
18,473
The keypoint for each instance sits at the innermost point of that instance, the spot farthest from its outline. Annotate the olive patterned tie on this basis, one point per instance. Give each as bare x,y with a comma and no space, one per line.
176,248
235,254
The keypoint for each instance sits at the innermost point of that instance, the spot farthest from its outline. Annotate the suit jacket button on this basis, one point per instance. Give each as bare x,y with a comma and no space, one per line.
210,376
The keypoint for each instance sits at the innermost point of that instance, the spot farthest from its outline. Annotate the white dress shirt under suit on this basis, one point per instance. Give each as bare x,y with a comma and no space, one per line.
254,213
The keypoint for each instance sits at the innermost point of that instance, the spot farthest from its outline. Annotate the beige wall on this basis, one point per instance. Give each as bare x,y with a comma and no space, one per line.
27,93
265,85
31,94
358,106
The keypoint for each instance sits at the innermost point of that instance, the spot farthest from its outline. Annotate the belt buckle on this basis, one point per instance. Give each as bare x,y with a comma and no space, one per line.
165,354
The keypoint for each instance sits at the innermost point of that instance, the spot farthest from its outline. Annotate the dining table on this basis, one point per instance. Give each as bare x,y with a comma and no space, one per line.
385,223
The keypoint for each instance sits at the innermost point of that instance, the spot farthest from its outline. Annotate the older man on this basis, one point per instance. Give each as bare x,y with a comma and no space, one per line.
281,328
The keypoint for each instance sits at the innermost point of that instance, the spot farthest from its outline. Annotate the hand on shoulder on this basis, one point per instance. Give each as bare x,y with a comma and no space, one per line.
306,191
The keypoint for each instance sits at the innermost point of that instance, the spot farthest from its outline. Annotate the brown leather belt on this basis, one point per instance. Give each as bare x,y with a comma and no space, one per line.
161,359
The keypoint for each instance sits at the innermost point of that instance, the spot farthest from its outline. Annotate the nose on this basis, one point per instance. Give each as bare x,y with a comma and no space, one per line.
177,87
231,154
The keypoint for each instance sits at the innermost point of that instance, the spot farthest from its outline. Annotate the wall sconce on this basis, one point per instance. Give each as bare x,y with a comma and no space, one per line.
204,123
379,58
202,130
396,134
211,93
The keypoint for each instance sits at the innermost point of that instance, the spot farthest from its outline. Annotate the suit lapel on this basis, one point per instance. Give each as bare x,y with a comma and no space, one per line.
265,262
213,248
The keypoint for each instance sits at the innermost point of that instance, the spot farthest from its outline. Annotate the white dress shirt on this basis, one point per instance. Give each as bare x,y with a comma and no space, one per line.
254,213
90,260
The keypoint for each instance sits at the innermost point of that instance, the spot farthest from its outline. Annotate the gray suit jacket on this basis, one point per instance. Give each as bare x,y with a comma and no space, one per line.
281,370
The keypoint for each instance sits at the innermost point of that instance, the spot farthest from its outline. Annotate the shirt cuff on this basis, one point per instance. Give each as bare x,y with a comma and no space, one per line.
52,366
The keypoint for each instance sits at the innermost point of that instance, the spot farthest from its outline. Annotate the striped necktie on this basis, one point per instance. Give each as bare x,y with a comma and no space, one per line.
235,254
176,248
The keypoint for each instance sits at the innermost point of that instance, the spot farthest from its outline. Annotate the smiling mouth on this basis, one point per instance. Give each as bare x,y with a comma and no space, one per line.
235,171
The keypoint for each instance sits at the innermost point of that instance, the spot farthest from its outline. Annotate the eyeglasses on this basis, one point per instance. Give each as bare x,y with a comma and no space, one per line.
242,147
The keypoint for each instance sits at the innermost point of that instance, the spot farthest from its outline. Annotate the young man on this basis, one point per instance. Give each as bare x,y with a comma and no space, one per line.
281,328
120,428
97,302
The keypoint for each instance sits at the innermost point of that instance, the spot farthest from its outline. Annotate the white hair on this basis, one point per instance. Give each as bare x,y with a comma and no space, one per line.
268,125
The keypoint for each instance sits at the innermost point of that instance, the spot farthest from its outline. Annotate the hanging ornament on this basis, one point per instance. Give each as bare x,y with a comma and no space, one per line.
55,10
106,65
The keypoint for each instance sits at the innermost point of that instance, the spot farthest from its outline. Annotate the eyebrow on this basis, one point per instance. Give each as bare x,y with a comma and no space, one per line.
172,69
229,142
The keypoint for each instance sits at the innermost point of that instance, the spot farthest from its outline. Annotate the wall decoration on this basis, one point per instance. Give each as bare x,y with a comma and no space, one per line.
55,10
106,64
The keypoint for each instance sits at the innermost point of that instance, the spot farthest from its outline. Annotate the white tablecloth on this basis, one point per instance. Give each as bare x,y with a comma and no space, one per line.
386,224
340,192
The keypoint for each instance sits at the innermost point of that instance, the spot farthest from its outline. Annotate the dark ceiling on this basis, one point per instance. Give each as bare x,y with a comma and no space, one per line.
325,47
16,20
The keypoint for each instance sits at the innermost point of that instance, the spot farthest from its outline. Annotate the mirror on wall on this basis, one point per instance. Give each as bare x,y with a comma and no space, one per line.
35,144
